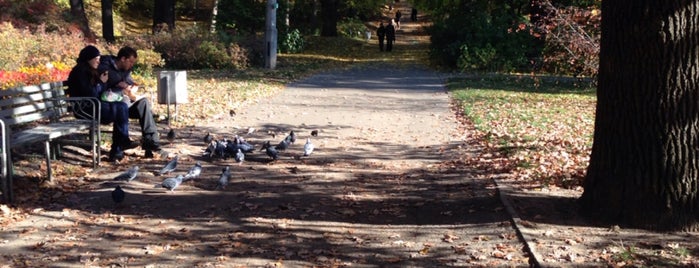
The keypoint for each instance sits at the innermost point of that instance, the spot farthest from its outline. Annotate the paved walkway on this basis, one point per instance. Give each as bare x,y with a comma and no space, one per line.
384,188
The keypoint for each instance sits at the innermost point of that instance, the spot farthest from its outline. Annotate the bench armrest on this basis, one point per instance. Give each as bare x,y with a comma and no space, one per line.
84,107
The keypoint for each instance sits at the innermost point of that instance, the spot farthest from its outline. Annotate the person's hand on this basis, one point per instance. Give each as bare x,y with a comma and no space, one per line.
104,77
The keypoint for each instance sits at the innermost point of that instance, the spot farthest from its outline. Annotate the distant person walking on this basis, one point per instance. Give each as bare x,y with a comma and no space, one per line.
398,15
390,36
413,15
381,33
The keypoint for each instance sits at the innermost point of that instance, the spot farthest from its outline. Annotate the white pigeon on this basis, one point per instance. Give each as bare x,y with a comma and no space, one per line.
308,147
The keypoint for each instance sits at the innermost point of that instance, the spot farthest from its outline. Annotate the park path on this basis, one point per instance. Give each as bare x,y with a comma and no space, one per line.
384,188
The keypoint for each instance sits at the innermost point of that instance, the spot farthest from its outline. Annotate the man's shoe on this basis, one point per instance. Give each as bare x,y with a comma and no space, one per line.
148,154
116,156
129,145
150,145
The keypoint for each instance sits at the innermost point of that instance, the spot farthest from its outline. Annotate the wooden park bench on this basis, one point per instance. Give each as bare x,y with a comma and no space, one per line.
42,114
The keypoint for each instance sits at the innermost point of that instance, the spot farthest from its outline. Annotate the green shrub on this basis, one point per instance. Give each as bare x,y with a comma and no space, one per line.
352,28
486,37
291,42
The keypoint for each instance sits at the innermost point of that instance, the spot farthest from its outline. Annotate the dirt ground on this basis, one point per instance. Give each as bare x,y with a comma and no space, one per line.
382,189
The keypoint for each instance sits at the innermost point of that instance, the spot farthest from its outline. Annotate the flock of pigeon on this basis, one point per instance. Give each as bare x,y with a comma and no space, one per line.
236,148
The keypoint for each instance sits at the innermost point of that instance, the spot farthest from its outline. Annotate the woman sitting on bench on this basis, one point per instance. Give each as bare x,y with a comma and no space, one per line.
85,80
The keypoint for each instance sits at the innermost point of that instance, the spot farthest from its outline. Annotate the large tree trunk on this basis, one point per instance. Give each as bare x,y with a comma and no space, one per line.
77,10
644,166
329,16
108,21
163,15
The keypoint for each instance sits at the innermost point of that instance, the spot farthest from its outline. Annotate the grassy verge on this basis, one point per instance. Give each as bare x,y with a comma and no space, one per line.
538,130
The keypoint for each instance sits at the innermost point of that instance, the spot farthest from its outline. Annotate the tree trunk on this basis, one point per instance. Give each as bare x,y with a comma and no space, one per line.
108,21
214,14
644,166
77,9
329,16
163,15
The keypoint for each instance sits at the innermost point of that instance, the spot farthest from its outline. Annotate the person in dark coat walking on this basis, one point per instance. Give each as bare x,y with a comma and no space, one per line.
381,33
390,36
398,15
413,15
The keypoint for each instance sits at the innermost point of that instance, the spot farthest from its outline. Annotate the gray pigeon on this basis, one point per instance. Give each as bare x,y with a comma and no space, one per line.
128,175
220,150
270,151
170,167
245,146
172,183
291,138
282,145
239,156
118,195
208,138
223,180
193,172
210,150
308,147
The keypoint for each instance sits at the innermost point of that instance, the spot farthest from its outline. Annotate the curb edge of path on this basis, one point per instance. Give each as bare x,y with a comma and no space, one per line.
504,191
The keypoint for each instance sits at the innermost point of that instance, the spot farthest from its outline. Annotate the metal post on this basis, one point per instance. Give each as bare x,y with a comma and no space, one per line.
271,34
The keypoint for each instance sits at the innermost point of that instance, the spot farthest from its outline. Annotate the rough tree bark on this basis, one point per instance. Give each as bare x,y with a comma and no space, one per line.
328,15
77,10
108,21
644,166
163,14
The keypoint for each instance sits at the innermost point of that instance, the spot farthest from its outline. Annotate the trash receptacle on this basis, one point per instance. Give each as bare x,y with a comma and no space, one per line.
172,84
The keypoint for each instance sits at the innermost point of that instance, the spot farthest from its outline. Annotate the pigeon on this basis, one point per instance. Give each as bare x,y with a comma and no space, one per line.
239,156
308,147
208,138
271,151
282,145
171,135
128,175
244,145
172,183
223,180
220,150
118,195
194,172
291,138
170,166
314,133
210,150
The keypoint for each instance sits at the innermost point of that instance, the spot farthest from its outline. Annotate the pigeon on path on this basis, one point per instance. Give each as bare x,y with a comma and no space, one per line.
308,147
194,172
223,180
118,195
270,150
208,138
171,183
291,138
171,135
128,175
170,166
239,156
282,145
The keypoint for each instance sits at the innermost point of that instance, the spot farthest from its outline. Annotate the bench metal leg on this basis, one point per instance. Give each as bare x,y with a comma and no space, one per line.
47,147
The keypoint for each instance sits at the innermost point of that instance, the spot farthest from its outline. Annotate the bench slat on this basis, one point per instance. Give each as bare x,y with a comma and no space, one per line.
48,132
